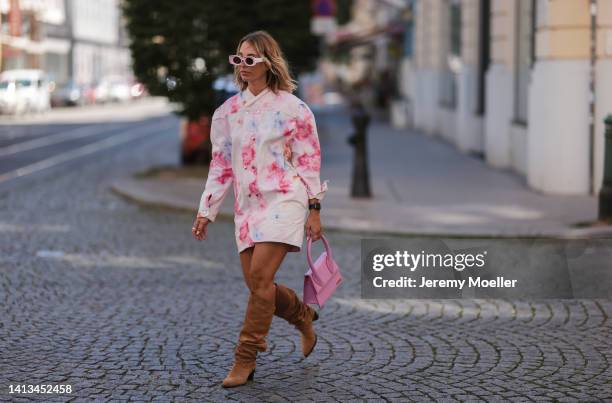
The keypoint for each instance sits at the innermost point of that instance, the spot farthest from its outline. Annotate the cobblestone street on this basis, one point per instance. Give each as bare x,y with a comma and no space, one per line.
120,302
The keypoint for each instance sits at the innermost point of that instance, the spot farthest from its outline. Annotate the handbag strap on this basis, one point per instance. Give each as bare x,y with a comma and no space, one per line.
309,256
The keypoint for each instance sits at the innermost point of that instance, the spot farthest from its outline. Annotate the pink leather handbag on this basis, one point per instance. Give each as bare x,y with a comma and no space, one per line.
322,277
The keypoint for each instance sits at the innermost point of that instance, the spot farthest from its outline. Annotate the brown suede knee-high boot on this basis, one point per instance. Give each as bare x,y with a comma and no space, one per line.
293,310
257,321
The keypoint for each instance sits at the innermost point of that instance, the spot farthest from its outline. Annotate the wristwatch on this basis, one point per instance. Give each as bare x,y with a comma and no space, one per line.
315,205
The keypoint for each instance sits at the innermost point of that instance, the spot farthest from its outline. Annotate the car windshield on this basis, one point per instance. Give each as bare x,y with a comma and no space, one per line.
4,85
23,83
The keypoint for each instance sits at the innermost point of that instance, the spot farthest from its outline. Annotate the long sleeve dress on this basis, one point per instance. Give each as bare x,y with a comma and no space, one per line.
267,148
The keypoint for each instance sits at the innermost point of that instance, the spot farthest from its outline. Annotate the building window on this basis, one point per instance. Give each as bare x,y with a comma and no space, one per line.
452,59
524,57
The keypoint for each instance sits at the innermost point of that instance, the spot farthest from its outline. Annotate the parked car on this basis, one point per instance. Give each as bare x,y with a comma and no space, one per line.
23,91
68,94
113,89
101,92
120,90
89,93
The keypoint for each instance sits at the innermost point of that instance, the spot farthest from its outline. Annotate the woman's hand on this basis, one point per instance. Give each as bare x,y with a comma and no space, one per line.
313,225
200,228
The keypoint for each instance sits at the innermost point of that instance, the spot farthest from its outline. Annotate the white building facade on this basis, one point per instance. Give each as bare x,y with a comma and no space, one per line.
98,49
80,39
509,80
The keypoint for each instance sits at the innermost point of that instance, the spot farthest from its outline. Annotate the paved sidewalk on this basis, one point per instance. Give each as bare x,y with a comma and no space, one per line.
420,185
137,109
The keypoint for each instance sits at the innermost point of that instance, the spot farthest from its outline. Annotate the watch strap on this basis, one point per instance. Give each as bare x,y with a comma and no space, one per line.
315,206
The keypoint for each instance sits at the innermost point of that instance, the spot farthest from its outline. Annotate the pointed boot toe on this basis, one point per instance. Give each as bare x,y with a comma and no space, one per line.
309,337
307,348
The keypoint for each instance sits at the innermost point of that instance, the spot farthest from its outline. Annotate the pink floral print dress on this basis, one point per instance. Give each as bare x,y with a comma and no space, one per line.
267,148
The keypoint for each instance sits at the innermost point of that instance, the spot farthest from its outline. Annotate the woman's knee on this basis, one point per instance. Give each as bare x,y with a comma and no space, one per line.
258,282
267,257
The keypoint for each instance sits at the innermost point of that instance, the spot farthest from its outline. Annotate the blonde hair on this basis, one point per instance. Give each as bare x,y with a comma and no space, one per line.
278,76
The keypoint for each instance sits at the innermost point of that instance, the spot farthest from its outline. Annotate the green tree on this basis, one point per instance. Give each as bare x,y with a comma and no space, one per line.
180,47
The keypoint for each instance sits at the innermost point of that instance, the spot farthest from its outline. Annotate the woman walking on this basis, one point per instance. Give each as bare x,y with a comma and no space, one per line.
265,144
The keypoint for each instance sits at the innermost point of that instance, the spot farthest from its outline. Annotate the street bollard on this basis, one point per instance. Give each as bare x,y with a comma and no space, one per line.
360,185
605,195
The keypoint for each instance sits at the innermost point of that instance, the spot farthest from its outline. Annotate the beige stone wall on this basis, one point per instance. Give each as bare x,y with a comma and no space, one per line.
428,34
432,30
470,18
563,29
604,29
503,24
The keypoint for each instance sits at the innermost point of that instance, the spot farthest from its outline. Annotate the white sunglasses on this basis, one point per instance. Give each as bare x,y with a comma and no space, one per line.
248,60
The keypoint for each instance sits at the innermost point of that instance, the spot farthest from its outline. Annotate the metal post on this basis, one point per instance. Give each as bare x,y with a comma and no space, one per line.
360,185
605,195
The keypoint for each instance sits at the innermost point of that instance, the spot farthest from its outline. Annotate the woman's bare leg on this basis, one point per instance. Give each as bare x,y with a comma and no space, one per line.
245,261
265,261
